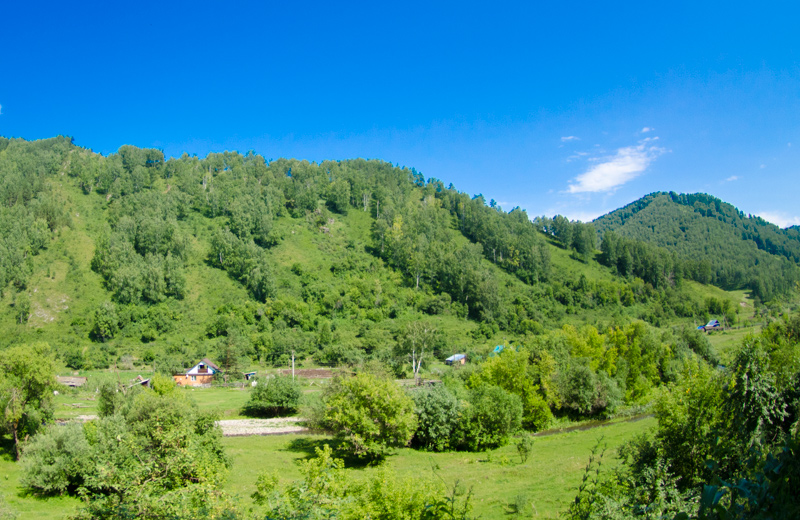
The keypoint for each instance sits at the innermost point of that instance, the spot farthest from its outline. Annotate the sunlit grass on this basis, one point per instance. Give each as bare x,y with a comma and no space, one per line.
548,479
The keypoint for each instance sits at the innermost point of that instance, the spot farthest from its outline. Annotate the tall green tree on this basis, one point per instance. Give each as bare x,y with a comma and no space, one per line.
369,414
27,380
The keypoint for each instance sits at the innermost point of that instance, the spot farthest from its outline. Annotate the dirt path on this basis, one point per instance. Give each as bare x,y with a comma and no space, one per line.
280,425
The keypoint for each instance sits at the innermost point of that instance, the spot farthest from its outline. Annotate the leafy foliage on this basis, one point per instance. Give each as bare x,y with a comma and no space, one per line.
369,414
27,378
274,396
723,449
327,490
715,242
151,455
438,412
56,460
509,371
492,416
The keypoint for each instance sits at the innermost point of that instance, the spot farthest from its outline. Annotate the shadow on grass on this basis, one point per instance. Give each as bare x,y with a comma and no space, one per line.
309,445
7,451
260,412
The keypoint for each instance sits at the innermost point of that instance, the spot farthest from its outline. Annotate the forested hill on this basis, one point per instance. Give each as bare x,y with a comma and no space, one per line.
718,243
137,257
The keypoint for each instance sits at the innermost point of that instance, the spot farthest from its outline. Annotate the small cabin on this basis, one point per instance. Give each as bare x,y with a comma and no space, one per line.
456,359
202,374
73,382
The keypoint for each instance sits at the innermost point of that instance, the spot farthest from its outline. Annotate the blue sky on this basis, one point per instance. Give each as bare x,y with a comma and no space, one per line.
574,108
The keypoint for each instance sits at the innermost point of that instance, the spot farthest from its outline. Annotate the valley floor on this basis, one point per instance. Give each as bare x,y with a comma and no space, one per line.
546,483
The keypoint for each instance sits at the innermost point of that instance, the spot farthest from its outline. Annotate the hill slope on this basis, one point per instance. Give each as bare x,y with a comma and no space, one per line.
132,258
719,244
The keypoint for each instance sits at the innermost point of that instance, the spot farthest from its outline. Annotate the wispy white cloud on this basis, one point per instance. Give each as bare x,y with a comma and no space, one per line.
583,216
763,166
570,138
614,171
577,155
732,178
780,219
647,129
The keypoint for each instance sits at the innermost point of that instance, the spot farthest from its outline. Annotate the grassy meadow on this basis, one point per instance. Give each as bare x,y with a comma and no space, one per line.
546,483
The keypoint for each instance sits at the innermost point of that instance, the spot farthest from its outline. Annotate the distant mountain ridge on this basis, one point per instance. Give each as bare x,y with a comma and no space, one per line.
702,228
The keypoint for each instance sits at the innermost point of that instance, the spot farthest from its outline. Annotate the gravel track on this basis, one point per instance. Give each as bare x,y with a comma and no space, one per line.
277,426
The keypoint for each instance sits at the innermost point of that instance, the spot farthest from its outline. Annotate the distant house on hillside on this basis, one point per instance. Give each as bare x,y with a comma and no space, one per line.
199,375
456,359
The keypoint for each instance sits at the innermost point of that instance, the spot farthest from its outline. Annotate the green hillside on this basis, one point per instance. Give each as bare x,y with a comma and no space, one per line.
128,264
715,242
134,259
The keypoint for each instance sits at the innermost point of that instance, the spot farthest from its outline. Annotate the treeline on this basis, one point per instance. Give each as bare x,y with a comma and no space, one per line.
509,240
578,236
31,206
141,257
716,243
419,251
654,265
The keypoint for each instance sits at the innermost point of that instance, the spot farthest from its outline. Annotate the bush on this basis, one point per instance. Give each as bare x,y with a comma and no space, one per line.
492,416
56,460
273,397
585,392
578,389
438,413
369,414
73,357
509,371
328,490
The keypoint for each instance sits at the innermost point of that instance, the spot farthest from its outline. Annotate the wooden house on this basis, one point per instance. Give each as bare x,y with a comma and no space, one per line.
202,374
456,359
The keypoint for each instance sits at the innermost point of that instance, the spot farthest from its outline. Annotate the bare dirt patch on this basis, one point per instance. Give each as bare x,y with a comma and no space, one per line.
277,426
309,373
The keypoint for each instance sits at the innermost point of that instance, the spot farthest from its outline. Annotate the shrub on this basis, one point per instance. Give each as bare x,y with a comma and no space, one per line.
438,413
56,460
524,447
73,357
585,392
369,414
328,490
509,371
275,396
491,417
578,388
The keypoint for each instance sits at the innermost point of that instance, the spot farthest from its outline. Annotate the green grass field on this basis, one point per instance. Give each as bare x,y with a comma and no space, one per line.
725,342
548,479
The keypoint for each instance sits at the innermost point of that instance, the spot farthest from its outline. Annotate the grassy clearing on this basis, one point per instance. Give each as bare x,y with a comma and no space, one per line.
725,342
22,504
226,402
547,481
